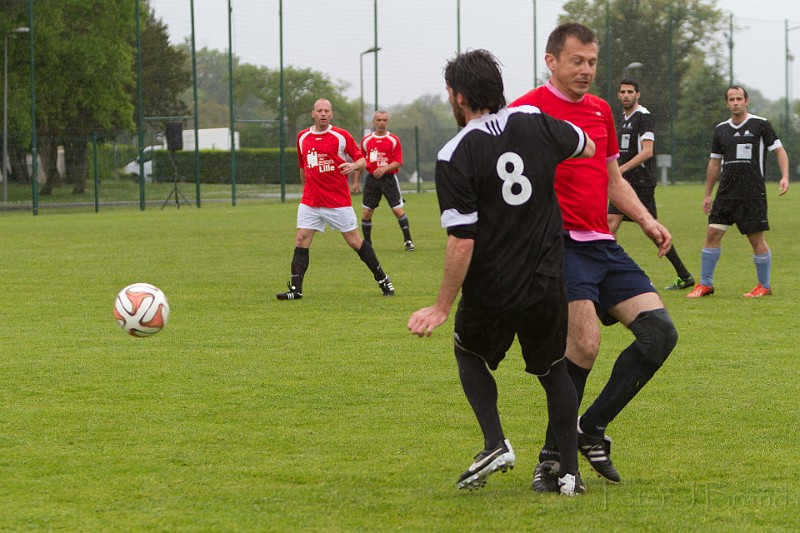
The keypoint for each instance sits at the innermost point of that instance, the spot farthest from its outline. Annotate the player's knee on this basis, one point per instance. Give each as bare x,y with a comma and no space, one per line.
656,336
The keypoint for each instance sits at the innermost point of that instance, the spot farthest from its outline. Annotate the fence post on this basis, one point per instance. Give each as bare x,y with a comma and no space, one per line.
416,145
96,176
230,105
34,151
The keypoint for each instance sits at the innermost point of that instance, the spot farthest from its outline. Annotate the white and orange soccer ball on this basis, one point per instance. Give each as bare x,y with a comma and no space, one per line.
141,309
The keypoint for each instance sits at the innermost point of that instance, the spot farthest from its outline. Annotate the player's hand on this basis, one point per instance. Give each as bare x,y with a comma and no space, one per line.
783,186
347,168
356,188
707,205
660,235
378,173
423,322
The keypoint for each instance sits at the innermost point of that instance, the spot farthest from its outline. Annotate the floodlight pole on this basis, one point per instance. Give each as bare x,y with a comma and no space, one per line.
361,71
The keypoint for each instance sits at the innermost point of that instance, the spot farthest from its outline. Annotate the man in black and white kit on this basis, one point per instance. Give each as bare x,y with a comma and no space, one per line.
505,251
636,136
739,152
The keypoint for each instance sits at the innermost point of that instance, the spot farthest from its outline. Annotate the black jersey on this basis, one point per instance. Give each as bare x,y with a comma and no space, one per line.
494,181
631,131
743,149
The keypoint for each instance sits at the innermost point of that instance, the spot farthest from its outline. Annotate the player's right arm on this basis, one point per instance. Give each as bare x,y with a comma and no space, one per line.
712,172
640,158
624,197
588,150
458,256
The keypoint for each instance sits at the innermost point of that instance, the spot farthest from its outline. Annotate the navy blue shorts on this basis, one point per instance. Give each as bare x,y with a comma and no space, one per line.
602,272
541,329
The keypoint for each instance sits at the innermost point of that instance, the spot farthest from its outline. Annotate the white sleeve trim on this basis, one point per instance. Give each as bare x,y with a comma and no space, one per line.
452,217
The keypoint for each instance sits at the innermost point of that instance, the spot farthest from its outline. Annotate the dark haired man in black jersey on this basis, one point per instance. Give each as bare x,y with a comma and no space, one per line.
504,251
636,137
739,148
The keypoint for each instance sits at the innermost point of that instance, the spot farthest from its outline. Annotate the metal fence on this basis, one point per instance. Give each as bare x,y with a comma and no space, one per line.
376,54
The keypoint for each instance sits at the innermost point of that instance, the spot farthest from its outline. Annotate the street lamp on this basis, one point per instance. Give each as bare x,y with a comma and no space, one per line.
632,66
4,166
372,50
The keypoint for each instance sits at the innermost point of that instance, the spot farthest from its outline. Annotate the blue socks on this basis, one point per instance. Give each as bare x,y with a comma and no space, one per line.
708,263
711,256
763,265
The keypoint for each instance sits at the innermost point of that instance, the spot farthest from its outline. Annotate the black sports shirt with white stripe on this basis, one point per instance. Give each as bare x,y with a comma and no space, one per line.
743,149
631,131
494,181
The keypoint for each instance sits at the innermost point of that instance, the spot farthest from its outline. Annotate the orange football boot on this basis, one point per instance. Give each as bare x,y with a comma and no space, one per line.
700,290
758,292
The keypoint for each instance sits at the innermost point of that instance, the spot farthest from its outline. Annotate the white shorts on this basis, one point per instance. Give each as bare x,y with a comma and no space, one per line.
339,218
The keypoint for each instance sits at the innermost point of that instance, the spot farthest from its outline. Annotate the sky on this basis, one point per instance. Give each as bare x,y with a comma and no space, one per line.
416,37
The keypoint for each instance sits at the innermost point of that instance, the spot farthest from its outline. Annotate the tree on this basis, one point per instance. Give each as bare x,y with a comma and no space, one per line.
14,14
303,87
257,97
166,70
640,32
88,71
700,111
433,118
212,86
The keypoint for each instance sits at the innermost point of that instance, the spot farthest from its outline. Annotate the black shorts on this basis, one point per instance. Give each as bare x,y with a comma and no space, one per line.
388,186
750,216
602,272
647,195
540,328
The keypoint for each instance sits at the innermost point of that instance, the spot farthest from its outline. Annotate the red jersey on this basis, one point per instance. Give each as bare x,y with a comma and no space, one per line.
381,151
581,184
320,154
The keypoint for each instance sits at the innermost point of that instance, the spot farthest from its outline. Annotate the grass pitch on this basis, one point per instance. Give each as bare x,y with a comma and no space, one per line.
250,414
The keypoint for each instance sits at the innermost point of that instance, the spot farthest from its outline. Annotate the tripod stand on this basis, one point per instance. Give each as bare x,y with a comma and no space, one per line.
175,191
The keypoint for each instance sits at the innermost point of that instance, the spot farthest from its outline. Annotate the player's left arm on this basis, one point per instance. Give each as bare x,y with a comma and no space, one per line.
458,256
783,164
624,197
380,171
645,154
356,188
397,162
358,164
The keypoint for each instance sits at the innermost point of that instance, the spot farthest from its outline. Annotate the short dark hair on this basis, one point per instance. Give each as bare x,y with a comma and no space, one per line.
630,81
476,75
557,38
739,87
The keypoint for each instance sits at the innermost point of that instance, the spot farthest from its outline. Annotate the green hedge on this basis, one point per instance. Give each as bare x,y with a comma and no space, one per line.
253,165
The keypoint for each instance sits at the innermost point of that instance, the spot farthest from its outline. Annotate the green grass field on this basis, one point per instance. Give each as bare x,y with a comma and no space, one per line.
250,414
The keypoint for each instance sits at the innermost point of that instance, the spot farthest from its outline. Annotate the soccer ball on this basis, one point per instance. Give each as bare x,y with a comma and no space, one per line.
141,309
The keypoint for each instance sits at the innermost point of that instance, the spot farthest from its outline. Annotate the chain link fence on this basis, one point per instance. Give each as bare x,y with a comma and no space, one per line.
366,55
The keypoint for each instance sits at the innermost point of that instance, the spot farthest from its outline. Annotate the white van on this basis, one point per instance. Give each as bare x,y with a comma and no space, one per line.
132,168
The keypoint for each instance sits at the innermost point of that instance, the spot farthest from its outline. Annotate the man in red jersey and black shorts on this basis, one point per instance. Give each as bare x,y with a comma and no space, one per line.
602,280
384,154
322,152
